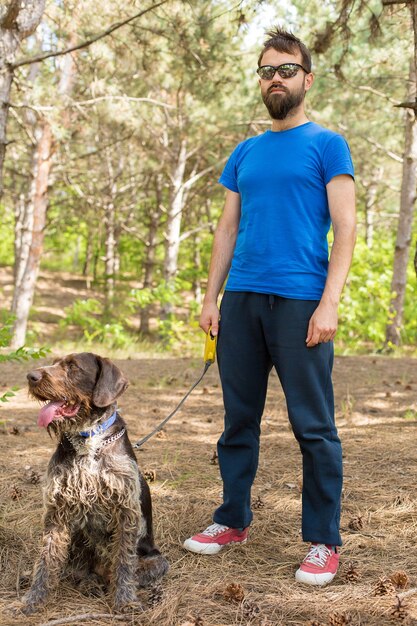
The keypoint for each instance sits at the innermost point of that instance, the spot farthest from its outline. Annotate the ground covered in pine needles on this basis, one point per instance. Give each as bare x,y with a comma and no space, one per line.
376,399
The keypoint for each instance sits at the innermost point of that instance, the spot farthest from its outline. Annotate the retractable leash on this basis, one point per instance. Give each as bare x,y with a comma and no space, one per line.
209,358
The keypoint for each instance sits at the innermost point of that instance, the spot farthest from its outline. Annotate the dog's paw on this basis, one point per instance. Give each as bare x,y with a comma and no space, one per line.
151,569
131,606
18,608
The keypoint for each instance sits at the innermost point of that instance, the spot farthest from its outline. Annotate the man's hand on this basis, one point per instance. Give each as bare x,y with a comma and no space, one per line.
210,316
322,326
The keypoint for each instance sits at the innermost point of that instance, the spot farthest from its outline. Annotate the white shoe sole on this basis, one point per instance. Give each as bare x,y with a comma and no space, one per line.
208,548
313,579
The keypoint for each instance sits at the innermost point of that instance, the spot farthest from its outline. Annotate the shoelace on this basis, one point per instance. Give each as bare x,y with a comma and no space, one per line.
214,529
318,555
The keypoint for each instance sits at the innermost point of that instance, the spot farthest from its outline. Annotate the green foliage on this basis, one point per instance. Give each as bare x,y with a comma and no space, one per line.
7,236
21,354
164,293
173,331
185,75
364,309
88,315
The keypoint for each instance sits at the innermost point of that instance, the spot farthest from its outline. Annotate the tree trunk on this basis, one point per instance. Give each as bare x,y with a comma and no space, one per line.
30,223
88,254
33,231
111,226
151,243
197,269
173,223
17,21
370,200
110,245
402,246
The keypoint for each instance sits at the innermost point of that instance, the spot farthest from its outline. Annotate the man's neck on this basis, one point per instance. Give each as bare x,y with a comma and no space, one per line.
291,121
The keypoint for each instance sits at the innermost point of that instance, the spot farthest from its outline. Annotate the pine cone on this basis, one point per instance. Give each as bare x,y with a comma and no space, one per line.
161,434
149,475
14,430
356,523
234,593
400,579
31,476
352,575
400,610
15,492
339,619
250,609
384,587
156,595
258,503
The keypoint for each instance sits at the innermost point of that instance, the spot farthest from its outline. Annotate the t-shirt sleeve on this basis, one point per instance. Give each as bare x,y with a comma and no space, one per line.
337,159
228,177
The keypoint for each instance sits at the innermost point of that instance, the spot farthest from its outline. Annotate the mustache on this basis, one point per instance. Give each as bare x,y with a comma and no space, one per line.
276,86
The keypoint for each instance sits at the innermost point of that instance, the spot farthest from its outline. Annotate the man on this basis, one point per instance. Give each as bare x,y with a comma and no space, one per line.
284,188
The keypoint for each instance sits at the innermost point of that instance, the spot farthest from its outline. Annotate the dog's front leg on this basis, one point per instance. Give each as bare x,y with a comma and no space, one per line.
125,559
55,545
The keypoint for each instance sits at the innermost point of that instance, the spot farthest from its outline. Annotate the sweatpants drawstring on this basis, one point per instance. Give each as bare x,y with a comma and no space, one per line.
271,300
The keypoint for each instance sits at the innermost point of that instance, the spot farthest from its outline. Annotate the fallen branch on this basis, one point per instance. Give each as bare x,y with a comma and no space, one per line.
84,617
405,594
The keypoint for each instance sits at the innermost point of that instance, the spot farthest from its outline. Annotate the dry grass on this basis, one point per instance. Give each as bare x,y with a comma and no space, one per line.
376,401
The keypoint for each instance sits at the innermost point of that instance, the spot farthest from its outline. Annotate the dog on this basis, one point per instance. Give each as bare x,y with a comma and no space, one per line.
98,511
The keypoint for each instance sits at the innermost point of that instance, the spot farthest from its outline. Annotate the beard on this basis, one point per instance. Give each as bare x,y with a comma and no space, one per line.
279,105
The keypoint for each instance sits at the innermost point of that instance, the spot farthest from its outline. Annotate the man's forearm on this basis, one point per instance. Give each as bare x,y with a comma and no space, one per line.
339,264
221,258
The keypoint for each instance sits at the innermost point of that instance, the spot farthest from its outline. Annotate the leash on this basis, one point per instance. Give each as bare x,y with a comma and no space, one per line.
209,358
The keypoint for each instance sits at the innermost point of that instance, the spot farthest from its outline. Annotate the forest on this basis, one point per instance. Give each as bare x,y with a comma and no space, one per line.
116,120
113,139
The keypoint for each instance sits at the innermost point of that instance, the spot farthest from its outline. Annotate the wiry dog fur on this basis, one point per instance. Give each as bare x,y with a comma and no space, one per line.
98,517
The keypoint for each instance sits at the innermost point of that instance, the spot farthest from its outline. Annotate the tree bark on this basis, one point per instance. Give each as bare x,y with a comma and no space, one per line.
371,191
173,223
151,243
16,23
403,241
30,223
111,229
33,231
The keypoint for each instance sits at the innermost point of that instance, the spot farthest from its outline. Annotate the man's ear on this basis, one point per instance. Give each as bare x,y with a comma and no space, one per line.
309,80
110,384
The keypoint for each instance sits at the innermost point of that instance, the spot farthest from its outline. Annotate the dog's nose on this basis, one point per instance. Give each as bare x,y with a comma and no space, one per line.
34,377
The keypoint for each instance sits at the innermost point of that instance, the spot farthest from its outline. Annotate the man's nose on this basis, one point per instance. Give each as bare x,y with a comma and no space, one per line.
34,376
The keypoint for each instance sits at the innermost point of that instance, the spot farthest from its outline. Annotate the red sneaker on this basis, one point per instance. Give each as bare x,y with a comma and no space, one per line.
320,565
215,538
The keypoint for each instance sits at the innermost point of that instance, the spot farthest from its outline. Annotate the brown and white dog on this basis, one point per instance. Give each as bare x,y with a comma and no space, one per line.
98,518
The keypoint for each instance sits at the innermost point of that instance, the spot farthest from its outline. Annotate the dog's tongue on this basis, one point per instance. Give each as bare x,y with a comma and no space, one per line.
49,412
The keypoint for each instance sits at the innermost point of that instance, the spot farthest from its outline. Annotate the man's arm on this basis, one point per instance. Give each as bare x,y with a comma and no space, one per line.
221,258
341,196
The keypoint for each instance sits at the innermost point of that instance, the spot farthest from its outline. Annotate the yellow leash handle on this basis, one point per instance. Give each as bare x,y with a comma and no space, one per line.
210,348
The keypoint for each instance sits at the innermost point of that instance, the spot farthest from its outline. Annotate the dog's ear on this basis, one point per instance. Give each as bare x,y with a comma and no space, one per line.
110,384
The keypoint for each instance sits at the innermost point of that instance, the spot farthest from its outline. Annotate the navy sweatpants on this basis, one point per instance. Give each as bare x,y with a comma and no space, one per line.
258,332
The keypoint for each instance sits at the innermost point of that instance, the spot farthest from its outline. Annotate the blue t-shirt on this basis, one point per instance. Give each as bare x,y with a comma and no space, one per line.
281,177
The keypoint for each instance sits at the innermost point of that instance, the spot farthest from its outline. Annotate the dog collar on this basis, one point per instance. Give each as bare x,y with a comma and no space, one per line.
101,428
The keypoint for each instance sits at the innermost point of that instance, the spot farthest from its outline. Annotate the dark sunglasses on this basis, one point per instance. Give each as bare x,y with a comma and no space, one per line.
286,70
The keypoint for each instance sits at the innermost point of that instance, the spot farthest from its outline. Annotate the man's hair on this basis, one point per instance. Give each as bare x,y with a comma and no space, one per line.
283,41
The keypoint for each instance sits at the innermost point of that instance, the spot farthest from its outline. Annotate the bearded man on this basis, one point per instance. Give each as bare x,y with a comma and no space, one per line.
285,188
